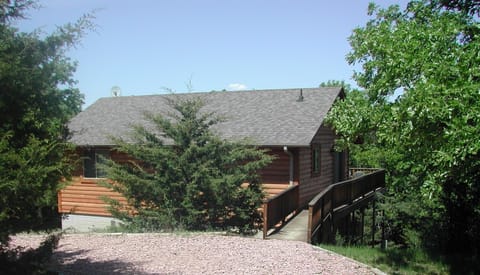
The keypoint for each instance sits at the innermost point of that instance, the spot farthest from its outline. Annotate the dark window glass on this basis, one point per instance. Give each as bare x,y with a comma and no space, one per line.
316,159
91,160
89,164
101,156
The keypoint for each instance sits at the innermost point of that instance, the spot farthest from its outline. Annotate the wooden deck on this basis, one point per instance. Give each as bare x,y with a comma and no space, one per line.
294,230
320,222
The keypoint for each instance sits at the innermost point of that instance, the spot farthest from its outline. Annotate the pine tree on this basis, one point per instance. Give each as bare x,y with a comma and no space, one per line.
37,98
187,177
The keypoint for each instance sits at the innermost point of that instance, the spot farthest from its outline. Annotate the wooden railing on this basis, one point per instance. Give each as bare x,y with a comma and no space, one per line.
277,208
339,196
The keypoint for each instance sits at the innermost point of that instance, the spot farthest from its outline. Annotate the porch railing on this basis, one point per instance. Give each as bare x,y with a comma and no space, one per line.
338,196
277,208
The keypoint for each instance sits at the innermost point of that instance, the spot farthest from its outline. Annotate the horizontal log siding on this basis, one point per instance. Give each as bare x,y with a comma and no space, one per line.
312,184
83,195
276,176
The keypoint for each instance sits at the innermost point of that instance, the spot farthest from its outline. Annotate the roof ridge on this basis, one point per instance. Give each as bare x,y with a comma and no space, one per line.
222,91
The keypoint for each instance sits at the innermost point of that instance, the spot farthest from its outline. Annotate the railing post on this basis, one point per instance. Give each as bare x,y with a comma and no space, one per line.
322,218
265,220
350,190
283,204
332,199
373,223
331,229
310,221
363,225
297,199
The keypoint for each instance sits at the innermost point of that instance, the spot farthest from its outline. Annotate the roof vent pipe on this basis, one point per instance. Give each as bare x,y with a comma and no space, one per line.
290,155
300,97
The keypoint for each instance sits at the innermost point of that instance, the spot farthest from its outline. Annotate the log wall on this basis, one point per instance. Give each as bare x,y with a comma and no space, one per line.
84,195
276,176
313,183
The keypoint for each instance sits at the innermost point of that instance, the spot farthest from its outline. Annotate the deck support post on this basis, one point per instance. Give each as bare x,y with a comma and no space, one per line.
362,230
373,222
332,227
384,239
354,227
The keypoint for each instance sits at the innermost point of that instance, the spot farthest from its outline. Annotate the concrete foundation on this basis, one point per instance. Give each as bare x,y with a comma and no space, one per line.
88,223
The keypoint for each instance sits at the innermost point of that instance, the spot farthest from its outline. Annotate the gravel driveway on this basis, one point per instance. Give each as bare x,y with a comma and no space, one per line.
190,254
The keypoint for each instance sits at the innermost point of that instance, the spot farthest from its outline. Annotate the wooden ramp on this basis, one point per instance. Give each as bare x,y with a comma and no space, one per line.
331,210
295,229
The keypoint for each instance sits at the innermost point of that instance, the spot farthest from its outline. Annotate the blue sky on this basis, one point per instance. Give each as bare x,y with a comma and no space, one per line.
146,46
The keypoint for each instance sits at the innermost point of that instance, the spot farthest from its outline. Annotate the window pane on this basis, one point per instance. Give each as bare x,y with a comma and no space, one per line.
91,160
89,164
100,156
316,159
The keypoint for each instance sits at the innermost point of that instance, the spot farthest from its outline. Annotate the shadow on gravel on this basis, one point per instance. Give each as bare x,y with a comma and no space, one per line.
74,263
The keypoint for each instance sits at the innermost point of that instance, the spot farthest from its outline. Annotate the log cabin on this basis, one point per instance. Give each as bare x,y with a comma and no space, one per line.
289,122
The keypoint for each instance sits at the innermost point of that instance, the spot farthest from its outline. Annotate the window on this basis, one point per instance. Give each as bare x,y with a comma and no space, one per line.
316,152
91,163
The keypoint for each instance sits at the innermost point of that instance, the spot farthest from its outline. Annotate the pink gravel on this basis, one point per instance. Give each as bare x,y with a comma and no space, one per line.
190,254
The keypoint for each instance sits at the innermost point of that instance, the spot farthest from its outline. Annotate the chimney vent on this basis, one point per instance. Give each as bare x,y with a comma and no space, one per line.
300,97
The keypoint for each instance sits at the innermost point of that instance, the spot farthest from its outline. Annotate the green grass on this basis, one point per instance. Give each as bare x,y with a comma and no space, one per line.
394,260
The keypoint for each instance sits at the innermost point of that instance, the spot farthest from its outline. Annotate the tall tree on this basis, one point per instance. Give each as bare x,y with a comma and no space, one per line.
37,97
337,83
184,176
428,53
354,126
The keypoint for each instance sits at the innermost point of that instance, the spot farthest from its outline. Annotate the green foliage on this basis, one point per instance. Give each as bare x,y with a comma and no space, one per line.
185,177
471,7
37,97
28,184
396,260
337,83
353,117
31,71
428,137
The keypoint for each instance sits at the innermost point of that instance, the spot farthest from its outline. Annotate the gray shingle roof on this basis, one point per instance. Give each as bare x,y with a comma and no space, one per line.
267,117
